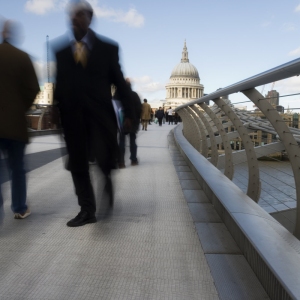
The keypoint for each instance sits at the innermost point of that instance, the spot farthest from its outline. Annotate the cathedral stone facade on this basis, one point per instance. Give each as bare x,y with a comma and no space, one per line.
45,96
184,84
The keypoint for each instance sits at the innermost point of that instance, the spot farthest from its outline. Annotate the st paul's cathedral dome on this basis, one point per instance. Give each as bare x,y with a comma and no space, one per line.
184,84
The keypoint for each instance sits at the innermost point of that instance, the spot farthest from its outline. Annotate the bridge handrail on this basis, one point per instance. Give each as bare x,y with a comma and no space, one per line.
271,250
275,120
283,71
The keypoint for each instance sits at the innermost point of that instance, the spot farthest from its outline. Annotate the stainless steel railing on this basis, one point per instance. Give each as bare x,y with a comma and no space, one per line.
206,127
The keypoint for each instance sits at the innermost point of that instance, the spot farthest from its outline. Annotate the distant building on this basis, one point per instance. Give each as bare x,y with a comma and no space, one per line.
296,120
273,97
280,108
184,84
241,107
45,96
43,115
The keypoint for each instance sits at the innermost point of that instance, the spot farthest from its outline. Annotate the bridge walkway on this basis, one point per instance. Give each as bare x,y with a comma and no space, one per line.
163,240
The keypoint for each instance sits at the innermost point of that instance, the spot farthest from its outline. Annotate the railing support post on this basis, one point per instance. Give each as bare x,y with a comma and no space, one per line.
204,148
228,151
188,129
213,144
287,139
253,170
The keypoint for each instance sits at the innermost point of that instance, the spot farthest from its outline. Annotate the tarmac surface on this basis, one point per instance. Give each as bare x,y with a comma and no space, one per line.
147,248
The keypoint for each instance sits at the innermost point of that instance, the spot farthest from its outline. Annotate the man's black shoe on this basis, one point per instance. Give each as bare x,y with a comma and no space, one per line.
81,219
109,190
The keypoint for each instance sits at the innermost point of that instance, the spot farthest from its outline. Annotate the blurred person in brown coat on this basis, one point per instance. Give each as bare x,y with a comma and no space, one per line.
87,66
18,89
146,114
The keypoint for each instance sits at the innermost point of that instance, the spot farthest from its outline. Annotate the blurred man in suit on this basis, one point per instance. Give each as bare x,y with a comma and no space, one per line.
87,66
18,89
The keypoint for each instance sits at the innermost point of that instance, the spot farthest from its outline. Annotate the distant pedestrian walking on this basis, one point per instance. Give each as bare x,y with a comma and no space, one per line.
146,114
176,118
136,102
18,89
151,116
170,115
160,115
166,116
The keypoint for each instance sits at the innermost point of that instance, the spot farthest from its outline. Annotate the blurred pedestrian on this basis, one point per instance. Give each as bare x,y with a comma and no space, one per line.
160,115
155,117
170,115
18,89
87,66
176,118
136,102
146,114
151,116
166,116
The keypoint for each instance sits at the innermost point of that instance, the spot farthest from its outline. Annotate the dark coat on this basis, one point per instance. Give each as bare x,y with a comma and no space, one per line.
85,101
137,111
160,114
18,89
76,86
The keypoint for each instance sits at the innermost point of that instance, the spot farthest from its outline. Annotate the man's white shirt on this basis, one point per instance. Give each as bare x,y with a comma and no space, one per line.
170,112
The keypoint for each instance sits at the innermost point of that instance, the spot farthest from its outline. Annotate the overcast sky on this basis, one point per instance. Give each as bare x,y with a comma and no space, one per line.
227,41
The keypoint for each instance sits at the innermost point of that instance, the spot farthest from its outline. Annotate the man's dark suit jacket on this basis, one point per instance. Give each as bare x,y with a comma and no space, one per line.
160,114
85,100
137,111
18,88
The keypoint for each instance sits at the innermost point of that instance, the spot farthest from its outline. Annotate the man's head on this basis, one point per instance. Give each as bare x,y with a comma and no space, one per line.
170,107
81,14
128,82
6,31
145,100
12,32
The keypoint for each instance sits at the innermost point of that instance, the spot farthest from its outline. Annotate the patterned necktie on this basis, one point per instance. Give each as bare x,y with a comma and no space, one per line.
80,54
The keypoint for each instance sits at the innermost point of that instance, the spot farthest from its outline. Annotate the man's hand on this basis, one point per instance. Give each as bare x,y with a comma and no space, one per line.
127,126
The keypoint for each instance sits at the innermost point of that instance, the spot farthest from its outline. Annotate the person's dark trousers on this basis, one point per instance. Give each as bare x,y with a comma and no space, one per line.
83,139
160,121
84,191
15,159
133,147
122,148
170,119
